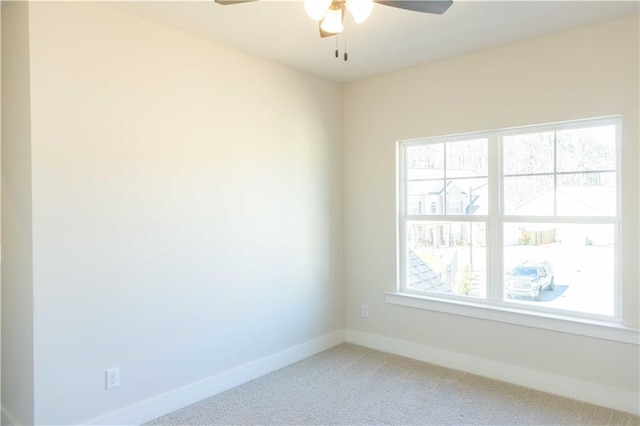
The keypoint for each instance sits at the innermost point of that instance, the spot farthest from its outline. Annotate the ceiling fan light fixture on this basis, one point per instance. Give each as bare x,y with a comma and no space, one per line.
316,9
360,9
332,22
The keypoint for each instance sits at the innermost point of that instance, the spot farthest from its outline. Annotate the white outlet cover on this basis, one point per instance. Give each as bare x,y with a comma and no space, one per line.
113,378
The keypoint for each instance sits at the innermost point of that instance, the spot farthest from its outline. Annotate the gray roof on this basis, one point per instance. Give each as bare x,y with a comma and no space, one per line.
421,277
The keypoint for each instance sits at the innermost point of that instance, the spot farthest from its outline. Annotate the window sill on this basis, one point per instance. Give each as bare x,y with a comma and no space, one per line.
559,323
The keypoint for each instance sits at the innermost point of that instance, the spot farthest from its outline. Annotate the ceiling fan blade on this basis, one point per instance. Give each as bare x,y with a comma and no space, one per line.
228,2
427,6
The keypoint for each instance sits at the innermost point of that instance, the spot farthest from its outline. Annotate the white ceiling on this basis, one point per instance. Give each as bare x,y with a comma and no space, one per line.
391,39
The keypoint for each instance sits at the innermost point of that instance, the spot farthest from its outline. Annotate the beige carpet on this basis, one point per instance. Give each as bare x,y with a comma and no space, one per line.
352,385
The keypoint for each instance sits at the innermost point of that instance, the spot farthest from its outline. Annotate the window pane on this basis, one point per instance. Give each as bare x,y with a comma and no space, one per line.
526,154
528,196
425,197
425,161
592,148
448,258
467,158
467,197
587,194
565,266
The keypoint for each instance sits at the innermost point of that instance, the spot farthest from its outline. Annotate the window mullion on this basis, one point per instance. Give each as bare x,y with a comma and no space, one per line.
445,207
555,173
401,258
494,225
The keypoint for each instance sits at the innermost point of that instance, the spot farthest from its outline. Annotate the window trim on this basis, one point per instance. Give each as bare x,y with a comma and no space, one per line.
543,317
472,308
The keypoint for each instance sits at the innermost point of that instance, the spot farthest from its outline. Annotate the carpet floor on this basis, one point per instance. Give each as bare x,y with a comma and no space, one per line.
352,385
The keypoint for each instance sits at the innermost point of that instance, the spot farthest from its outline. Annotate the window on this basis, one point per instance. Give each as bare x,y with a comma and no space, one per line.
523,218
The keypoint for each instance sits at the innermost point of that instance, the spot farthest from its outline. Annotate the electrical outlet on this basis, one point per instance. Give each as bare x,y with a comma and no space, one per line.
113,378
364,311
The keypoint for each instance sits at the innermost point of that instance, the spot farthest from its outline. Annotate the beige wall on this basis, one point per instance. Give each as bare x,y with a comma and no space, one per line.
17,280
186,209
588,72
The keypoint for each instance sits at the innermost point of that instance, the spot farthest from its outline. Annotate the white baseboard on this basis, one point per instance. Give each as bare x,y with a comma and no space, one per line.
163,404
571,388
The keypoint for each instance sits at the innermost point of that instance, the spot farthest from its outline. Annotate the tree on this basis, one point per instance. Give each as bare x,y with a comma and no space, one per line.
465,287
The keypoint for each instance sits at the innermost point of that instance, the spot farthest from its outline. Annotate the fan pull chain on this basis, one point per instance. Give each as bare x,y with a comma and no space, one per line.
346,55
337,53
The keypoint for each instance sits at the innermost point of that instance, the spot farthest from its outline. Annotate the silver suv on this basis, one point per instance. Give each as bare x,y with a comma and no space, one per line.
530,280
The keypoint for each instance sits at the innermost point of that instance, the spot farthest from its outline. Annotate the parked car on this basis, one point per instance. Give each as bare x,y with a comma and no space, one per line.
530,280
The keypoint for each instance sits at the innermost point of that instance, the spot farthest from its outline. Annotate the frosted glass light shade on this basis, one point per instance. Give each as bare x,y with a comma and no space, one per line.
332,22
316,9
360,9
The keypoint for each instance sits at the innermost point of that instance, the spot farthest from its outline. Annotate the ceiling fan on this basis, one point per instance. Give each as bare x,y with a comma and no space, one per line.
330,13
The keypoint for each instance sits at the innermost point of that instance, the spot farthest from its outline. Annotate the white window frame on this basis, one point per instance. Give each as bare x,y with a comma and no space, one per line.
494,307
